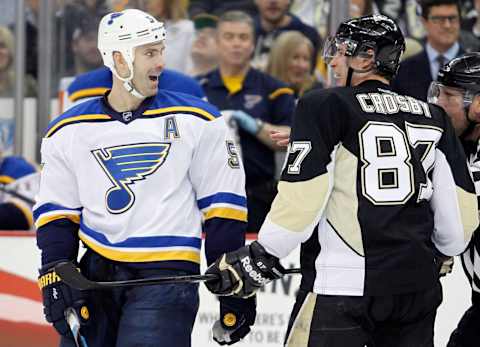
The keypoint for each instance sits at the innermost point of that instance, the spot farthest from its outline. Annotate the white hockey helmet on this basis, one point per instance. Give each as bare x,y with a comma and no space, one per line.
122,32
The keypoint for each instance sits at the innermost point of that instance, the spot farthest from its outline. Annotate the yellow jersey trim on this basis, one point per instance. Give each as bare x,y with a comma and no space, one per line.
199,111
84,93
140,257
47,219
280,91
227,213
6,179
76,119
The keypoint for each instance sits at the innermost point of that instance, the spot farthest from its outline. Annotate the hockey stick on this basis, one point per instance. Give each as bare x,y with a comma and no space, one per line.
71,276
4,189
74,324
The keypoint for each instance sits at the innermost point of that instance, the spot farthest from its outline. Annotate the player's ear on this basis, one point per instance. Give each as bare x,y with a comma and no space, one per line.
120,64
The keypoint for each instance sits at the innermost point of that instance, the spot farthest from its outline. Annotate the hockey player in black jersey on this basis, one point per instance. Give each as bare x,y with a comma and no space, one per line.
457,90
374,186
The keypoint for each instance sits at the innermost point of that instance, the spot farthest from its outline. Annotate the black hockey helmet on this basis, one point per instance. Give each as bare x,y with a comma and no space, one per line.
359,35
463,74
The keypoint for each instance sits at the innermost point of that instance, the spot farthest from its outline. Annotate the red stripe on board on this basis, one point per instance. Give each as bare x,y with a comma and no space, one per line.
26,334
17,233
19,286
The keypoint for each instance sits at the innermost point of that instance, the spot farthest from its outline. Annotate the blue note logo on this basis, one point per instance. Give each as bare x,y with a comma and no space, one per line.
113,16
124,165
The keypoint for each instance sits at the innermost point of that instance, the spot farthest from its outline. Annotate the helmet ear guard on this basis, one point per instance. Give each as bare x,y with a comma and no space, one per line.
123,32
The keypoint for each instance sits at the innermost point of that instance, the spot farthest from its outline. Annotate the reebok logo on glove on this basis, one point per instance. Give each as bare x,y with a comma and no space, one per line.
256,276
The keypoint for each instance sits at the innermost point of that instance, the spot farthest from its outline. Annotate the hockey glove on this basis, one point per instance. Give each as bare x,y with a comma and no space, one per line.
57,297
246,122
236,317
242,272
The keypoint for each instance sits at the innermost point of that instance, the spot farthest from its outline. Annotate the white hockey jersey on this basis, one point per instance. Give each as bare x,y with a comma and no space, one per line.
140,184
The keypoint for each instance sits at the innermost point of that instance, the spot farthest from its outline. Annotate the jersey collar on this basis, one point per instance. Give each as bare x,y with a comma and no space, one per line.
127,116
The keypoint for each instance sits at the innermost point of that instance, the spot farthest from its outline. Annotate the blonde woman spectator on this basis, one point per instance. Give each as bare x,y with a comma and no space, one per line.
7,73
290,61
180,31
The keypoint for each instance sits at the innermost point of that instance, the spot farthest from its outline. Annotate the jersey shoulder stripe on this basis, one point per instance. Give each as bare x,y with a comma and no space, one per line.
87,83
280,91
89,111
87,93
167,103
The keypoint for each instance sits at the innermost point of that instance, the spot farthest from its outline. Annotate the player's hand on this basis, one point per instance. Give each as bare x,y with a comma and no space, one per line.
57,297
236,317
242,272
281,138
246,122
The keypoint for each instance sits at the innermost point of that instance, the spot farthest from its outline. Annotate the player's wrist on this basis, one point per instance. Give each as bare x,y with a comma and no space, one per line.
259,125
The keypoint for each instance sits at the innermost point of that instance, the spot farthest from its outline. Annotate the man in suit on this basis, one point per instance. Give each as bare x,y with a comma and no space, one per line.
441,19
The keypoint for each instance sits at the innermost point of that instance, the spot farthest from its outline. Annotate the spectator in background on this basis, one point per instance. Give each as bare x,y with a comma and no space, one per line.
273,19
217,7
73,16
19,182
84,47
31,37
441,19
204,47
472,23
290,61
256,102
173,14
7,72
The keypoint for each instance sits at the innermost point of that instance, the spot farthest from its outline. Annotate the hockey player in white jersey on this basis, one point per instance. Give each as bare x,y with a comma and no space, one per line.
136,176
457,90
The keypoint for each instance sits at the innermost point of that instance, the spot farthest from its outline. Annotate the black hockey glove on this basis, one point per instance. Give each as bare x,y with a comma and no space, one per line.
57,297
242,272
236,317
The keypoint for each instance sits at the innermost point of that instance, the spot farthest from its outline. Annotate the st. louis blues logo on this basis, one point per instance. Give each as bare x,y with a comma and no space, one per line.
126,164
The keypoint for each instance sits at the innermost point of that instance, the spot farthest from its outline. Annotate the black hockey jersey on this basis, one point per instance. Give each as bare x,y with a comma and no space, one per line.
373,182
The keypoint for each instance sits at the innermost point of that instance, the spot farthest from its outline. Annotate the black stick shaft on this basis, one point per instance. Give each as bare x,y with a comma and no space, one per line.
71,276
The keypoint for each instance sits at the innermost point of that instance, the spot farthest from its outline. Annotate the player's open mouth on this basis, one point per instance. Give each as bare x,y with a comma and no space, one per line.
153,78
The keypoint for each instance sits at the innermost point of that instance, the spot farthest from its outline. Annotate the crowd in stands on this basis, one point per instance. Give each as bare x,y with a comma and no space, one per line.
253,71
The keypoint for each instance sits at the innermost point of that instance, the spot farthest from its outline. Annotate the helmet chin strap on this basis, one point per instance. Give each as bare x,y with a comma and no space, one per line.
127,82
129,87
351,70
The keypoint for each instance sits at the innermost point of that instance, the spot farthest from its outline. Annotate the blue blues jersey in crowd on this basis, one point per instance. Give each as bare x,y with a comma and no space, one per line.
20,178
96,82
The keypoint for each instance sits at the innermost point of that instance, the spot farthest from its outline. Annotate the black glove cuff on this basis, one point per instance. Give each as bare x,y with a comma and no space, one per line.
236,311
